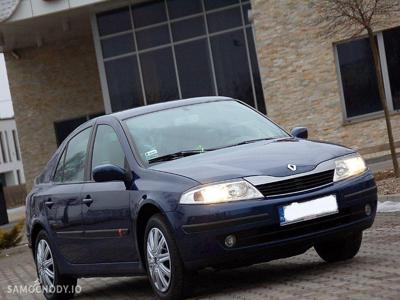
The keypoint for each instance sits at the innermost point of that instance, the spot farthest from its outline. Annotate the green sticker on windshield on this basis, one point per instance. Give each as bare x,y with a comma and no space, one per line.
151,154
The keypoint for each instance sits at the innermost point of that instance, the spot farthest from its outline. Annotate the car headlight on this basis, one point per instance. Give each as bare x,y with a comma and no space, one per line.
221,192
349,166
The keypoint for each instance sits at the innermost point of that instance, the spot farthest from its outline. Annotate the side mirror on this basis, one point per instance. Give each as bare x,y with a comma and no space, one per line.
108,172
300,132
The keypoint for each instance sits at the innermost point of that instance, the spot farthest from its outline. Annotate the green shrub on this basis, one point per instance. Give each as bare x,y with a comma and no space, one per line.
12,237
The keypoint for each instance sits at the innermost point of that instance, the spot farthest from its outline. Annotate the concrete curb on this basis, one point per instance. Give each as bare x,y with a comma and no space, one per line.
393,197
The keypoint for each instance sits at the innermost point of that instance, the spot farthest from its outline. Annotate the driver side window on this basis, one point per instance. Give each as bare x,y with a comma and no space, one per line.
107,149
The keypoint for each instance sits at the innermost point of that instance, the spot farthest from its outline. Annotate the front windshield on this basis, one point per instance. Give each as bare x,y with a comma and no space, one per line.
198,127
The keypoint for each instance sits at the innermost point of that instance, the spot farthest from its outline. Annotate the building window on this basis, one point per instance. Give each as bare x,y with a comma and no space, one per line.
359,82
174,49
201,82
392,47
159,75
16,146
357,74
3,148
124,83
65,127
8,146
19,177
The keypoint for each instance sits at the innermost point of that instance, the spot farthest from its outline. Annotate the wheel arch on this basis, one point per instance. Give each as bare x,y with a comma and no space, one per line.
36,228
146,211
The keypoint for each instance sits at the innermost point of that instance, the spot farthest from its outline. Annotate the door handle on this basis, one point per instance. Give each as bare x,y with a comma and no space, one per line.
87,200
49,203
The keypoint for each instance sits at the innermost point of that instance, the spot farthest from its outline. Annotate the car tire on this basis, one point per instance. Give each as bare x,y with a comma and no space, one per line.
45,261
339,249
179,283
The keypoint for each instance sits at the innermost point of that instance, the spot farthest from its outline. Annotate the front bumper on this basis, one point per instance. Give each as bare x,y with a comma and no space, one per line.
200,230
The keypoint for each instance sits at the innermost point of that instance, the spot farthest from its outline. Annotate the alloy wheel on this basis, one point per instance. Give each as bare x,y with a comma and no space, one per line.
159,260
45,264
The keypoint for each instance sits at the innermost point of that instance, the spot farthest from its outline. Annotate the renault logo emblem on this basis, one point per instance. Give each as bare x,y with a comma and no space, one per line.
292,167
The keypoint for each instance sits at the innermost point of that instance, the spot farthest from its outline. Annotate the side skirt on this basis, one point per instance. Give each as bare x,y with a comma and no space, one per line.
104,269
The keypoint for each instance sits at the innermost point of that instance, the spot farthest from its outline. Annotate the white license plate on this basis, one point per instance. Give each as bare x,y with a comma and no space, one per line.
308,210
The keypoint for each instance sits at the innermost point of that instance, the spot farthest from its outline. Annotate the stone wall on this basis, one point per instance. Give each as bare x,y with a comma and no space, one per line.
48,84
299,75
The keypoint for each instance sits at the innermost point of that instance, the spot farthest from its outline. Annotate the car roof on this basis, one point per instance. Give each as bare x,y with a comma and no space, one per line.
122,115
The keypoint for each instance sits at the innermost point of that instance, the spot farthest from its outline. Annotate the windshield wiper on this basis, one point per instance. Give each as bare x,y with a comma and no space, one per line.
252,141
241,143
176,155
185,153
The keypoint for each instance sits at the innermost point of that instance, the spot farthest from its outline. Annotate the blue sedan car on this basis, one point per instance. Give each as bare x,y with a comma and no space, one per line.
168,189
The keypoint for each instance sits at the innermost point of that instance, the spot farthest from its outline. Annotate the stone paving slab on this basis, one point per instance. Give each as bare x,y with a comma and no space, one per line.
373,274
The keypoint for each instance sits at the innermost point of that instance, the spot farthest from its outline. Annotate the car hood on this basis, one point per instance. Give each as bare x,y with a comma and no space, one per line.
269,158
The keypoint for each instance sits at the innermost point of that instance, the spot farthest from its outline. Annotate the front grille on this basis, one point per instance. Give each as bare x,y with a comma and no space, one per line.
296,184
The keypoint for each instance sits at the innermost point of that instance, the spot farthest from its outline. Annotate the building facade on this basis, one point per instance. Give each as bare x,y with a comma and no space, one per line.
70,60
11,169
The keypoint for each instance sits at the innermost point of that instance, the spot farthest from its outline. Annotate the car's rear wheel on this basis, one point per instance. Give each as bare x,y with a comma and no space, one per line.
165,269
54,285
341,248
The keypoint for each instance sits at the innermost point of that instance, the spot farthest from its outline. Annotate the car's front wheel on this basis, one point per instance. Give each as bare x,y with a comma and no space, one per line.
54,285
341,248
165,269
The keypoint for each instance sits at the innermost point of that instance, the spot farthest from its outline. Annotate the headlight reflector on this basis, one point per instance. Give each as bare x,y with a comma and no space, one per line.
221,192
349,166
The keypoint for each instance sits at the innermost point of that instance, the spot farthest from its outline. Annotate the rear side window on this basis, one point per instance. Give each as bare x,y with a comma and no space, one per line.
58,176
107,149
71,167
48,172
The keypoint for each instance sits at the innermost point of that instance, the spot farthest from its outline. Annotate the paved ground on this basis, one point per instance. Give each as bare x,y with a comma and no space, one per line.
373,274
